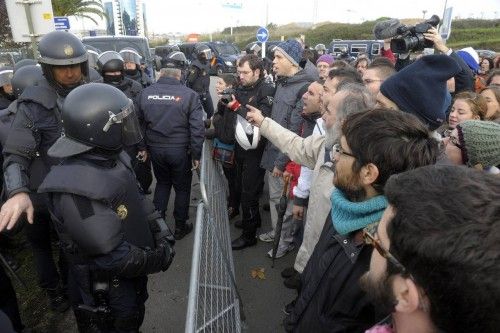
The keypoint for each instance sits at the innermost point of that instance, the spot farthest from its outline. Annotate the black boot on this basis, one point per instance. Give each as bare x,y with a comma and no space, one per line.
182,229
58,299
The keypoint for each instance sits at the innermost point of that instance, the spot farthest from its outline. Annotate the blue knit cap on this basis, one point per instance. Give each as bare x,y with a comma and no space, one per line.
292,50
420,88
469,60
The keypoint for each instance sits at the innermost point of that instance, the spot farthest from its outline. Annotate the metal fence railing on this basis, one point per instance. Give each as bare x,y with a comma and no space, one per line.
214,304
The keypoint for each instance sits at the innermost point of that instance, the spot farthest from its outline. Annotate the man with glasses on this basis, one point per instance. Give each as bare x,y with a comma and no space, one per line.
376,73
249,148
373,146
436,266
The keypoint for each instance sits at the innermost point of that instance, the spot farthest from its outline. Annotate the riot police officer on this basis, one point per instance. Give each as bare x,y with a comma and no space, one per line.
111,67
253,48
36,126
198,77
177,59
111,234
132,63
6,95
320,49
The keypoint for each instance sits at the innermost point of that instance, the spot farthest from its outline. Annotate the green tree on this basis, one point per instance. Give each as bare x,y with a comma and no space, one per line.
79,8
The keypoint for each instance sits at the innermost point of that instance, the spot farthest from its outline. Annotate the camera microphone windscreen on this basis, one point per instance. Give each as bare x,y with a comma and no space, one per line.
386,29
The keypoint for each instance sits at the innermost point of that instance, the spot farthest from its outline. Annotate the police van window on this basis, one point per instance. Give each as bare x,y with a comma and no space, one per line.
117,45
358,48
375,48
338,48
226,49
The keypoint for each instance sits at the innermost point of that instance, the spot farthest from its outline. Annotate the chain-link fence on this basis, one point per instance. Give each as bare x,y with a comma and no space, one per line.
214,303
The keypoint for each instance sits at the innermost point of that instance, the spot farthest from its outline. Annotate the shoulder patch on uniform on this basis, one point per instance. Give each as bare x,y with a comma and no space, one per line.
270,100
122,212
84,206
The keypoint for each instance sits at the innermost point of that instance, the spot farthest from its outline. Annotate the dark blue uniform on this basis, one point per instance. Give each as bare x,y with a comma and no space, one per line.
174,134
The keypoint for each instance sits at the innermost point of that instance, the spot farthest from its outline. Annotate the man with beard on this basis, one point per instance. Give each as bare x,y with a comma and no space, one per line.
36,126
435,267
315,153
249,147
6,94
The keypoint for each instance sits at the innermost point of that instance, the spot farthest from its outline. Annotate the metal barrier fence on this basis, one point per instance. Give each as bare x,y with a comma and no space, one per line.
214,304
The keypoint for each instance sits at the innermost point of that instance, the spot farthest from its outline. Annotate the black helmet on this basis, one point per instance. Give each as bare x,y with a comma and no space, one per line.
96,115
61,48
174,48
92,56
176,59
24,77
253,48
203,52
320,48
111,61
131,55
6,73
24,62
270,51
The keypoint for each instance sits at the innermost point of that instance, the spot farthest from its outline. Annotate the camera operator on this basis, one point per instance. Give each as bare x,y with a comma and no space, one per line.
255,91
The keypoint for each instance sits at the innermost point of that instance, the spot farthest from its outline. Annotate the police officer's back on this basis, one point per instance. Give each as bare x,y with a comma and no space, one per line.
108,229
174,134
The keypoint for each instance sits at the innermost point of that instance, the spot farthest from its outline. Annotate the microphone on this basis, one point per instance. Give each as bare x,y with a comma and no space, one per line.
386,29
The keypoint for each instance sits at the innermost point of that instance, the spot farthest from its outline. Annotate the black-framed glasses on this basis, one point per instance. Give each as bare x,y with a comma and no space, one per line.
369,239
339,150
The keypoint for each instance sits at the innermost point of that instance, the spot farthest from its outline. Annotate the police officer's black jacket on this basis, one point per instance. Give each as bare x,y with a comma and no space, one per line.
331,299
131,88
142,78
172,116
198,77
36,126
5,100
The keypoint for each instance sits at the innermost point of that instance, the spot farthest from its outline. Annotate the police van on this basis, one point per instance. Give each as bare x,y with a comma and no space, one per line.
118,43
355,47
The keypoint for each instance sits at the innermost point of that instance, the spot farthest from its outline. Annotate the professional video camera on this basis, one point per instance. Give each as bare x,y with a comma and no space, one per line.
226,95
411,38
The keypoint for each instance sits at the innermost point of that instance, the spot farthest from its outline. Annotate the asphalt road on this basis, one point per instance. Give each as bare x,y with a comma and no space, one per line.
263,300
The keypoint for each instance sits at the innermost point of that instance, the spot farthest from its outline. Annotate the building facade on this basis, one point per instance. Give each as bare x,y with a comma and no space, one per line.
126,17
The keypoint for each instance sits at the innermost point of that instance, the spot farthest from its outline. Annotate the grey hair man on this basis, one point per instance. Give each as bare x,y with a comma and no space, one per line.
315,152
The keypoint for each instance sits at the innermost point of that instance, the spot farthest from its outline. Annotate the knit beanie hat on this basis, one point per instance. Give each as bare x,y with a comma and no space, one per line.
328,58
292,50
420,88
479,142
471,58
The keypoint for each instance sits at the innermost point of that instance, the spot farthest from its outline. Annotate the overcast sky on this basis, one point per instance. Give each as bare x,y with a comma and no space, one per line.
202,16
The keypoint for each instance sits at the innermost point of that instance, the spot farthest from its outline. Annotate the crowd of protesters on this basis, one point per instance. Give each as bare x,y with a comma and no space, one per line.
393,203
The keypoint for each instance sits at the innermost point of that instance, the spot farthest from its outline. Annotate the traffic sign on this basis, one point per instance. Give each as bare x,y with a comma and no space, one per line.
39,23
262,35
61,23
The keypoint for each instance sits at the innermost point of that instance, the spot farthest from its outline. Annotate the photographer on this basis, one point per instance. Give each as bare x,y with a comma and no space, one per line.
249,148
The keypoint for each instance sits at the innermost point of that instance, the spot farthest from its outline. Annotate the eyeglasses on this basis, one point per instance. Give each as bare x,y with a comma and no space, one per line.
369,239
368,81
339,150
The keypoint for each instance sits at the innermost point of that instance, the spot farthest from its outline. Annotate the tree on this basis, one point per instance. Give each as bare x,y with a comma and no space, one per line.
79,8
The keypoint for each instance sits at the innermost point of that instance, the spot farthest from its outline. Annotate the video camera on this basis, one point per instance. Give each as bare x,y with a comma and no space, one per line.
226,95
411,38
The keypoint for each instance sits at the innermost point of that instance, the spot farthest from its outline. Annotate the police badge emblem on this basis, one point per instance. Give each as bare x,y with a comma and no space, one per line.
68,50
122,212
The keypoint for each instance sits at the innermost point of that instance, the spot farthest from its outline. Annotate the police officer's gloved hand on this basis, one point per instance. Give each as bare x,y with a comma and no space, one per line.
169,254
141,262
160,229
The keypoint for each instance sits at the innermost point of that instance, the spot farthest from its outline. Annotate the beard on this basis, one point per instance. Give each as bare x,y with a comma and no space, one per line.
379,292
350,186
332,135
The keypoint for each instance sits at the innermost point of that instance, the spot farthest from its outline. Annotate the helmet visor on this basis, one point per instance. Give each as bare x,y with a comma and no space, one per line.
131,130
207,53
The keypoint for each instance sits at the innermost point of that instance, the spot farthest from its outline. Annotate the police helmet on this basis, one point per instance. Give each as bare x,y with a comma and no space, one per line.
61,48
93,56
253,48
270,51
174,48
110,61
24,62
6,73
24,77
320,48
131,55
176,59
96,115
203,52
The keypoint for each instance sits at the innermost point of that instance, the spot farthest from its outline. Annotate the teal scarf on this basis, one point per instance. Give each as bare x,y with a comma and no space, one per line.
350,216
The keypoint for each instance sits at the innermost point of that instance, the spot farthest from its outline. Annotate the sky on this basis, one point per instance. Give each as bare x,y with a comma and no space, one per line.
202,16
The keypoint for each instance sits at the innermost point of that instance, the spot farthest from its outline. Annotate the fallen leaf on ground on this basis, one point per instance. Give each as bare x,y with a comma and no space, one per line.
258,273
